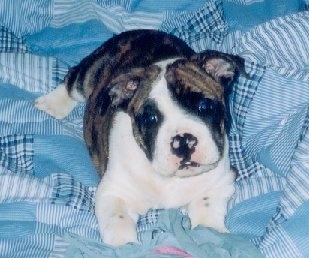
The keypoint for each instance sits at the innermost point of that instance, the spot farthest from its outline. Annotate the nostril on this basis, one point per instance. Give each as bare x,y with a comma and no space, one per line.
190,140
175,143
183,145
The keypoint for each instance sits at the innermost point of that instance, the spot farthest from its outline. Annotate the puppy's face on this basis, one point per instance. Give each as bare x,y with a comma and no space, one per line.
180,123
176,108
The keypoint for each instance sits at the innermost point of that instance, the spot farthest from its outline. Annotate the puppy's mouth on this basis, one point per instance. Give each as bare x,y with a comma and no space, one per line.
187,164
192,168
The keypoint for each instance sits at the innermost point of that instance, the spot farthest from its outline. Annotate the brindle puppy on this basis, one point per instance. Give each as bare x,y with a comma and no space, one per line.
154,127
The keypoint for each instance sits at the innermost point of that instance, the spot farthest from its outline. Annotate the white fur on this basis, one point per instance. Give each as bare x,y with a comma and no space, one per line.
132,184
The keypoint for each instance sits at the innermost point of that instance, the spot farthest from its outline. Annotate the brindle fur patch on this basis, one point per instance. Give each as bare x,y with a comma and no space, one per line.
186,74
136,48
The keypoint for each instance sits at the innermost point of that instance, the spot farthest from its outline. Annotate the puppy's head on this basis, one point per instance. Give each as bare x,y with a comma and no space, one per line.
178,111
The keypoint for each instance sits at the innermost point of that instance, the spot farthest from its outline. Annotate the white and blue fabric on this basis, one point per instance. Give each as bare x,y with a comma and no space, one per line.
48,182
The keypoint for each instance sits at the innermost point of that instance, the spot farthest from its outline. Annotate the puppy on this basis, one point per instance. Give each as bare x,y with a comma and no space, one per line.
154,127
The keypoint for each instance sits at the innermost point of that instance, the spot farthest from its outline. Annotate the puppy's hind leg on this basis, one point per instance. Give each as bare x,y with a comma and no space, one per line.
58,103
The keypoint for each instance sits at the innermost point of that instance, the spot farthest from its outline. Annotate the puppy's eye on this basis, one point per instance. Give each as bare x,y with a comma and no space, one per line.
148,117
203,105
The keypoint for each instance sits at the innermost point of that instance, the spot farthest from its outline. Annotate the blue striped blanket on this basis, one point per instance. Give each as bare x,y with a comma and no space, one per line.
47,180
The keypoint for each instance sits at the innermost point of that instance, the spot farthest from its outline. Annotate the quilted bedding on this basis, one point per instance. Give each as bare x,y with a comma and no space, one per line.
47,181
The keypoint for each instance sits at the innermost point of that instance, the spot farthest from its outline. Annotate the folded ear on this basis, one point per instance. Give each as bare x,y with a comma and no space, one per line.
223,68
124,86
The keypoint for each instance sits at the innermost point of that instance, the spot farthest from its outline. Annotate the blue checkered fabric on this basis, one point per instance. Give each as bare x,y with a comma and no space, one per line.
17,153
206,24
10,43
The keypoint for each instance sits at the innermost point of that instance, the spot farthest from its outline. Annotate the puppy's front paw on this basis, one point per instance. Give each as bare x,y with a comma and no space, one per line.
209,212
56,103
120,231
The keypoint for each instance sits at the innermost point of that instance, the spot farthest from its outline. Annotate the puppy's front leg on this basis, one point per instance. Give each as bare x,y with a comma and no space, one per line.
209,211
116,225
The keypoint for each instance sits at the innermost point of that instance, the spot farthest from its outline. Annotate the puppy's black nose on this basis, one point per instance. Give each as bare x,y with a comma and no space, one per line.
183,145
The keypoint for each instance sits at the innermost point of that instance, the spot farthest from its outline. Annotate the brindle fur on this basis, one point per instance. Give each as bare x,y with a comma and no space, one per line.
138,48
186,74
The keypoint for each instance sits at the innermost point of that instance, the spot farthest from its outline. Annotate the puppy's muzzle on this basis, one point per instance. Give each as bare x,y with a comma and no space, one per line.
183,146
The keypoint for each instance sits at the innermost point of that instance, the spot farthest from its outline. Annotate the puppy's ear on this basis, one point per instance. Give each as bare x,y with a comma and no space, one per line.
223,68
124,86
123,89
